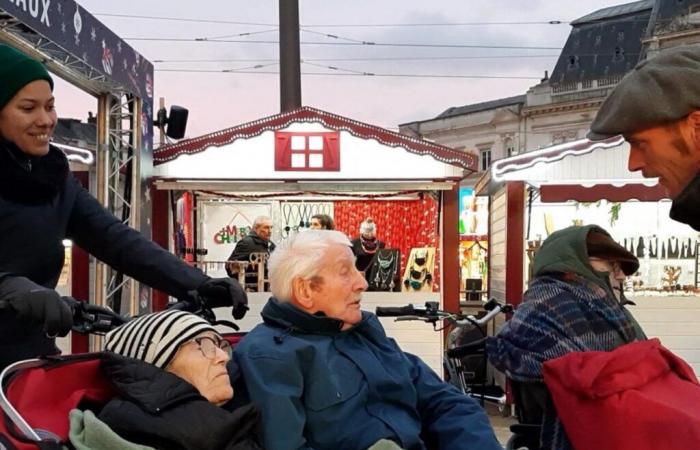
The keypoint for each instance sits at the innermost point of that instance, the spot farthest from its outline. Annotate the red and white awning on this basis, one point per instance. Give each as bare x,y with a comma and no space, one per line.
580,170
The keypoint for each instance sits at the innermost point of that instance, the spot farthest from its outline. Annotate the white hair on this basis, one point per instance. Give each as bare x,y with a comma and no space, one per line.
368,226
300,256
260,220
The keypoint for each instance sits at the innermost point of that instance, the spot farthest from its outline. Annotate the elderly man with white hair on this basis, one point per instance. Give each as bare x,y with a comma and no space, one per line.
257,241
325,375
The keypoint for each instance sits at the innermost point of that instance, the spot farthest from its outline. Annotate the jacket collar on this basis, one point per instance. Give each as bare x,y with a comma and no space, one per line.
151,387
686,206
31,180
292,319
257,238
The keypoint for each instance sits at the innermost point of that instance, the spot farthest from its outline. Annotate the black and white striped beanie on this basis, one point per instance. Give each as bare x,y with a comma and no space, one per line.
155,338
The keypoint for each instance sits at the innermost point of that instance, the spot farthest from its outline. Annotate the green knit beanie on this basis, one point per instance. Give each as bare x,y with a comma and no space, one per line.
16,71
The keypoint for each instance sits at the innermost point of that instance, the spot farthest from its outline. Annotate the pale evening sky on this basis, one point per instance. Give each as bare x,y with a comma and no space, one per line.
219,100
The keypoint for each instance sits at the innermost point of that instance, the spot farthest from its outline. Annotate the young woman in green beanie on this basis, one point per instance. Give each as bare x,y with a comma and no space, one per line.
41,204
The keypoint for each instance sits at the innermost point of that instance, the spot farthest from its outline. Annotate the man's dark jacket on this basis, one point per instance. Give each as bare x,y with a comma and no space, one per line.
41,204
160,409
686,207
250,244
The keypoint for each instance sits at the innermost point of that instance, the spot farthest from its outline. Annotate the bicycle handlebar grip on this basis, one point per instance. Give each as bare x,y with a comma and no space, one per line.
395,311
491,304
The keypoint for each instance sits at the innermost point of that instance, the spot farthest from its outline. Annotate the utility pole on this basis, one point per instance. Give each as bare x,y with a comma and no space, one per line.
290,57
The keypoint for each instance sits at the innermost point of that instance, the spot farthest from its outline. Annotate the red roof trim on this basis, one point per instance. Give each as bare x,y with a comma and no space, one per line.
307,114
559,193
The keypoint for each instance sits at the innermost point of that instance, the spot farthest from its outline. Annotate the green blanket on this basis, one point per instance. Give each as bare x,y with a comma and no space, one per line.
87,432
385,444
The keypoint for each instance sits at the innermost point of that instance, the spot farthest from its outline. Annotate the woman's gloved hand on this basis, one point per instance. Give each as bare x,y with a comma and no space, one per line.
47,308
217,292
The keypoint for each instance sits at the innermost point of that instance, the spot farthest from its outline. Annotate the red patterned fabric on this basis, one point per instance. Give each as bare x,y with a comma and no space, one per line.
401,224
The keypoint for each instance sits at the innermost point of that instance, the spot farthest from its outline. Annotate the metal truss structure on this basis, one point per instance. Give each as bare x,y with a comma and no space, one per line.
118,187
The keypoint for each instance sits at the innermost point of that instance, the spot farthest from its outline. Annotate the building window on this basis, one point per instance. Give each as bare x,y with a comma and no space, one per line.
484,159
509,147
307,151
619,54
573,63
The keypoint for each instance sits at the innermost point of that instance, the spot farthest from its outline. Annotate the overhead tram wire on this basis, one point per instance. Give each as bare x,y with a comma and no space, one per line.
248,69
182,19
408,58
336,25
433,24
366,74
335,36
249,33
372,74
372,44
363,25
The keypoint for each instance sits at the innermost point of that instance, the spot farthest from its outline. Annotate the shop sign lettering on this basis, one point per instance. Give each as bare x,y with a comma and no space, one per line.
230,234
34,7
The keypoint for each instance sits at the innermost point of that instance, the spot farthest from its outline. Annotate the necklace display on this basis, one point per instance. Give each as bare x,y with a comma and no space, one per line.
383,270
418,274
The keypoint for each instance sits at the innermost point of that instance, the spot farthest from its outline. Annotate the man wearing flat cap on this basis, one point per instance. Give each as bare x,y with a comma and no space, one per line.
656,107
574,303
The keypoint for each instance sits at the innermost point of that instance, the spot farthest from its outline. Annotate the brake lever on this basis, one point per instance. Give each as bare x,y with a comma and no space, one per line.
407,318
227,323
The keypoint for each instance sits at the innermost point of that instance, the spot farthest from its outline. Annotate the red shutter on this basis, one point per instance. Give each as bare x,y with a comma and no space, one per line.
283,157
331,152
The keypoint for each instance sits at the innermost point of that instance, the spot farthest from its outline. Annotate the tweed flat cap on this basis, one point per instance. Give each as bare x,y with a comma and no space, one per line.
155,338
601,245
657,91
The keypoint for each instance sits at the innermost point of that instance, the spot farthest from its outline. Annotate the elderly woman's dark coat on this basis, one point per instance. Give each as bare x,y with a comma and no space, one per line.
161,410
41,204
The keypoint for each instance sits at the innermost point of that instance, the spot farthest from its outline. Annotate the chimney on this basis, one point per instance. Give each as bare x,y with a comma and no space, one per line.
290,71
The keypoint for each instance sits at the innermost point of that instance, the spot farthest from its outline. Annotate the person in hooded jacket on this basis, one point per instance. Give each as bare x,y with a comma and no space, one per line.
656,108
574,303
41,204
326,376
169,371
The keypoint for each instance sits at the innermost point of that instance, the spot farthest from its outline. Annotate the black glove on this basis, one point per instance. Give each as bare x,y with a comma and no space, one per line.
47,308
218,292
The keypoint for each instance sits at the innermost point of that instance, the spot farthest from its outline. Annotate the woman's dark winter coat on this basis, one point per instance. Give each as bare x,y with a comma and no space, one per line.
41,204
159,409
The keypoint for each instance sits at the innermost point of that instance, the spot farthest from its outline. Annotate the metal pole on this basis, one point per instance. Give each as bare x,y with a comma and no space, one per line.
101,192
290,57
135,211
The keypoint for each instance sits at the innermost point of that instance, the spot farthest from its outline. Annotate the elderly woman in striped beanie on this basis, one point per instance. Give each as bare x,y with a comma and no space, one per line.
169,371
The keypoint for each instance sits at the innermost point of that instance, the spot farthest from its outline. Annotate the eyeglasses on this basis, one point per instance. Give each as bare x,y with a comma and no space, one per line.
208,345
613,266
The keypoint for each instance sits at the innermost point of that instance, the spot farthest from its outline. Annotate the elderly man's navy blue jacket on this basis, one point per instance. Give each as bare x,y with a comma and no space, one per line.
322,388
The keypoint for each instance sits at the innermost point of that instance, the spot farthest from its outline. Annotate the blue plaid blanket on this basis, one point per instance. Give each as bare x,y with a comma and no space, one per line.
561,313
